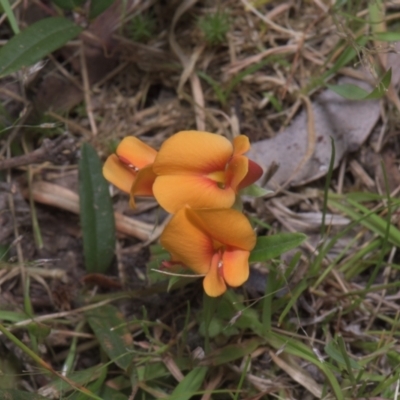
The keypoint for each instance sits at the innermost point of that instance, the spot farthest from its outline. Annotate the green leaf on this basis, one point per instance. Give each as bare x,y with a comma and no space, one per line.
294,347
386,36
354,92
110,329
96,212
5,4
190,384
35,42
69,4
99,6
268,247
254,191
232,352
334,352
13,394
349,91
382,86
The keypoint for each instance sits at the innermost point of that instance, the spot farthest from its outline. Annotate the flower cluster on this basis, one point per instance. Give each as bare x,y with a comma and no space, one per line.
195,176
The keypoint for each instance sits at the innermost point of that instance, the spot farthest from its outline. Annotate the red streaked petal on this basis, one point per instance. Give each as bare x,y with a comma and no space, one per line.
213,283
227,226
254,173
236,171
143,185
176,191
235,267
189,152
133,151
241,145
118,174
187,243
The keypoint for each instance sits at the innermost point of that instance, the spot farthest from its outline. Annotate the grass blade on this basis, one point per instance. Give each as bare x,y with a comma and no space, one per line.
5,4
190,384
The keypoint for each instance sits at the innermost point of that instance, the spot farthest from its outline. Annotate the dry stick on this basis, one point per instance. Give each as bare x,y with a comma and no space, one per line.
194,79
65,73
86,90
61,197
71,124
51,150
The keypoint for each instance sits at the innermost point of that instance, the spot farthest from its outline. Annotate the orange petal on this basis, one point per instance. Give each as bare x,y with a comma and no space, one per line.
133,151
191,152
143,185
119,175
187,243
254,173
213,283
174,192
236,171
235,267
229,227
241,145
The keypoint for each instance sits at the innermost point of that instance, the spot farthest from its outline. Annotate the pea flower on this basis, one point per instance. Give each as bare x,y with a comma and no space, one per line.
202,170
130,169
212,242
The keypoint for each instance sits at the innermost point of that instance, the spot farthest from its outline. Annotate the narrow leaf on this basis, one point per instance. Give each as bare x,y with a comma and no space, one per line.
96,212
110,329
354,92
349,91
99,6
255,191
35,42
232,352
13,394
268,247
5,4
334,352
68,4
387,36
190,384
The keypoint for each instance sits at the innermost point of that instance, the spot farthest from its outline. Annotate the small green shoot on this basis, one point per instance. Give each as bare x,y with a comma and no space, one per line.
142,27
215,27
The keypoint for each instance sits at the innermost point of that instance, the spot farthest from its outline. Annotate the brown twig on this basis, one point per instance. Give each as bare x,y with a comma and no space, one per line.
56,151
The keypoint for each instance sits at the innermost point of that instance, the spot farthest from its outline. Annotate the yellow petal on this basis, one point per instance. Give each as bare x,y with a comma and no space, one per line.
134,152
174,192
187,243
235,267
213,283
236,171
228,226
143,184
241,145
190,152
118,174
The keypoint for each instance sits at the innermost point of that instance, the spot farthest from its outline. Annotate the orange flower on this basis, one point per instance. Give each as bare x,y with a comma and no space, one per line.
202,170
213,242
130,169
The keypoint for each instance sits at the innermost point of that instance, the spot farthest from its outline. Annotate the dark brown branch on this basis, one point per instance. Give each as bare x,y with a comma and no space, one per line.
57,151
